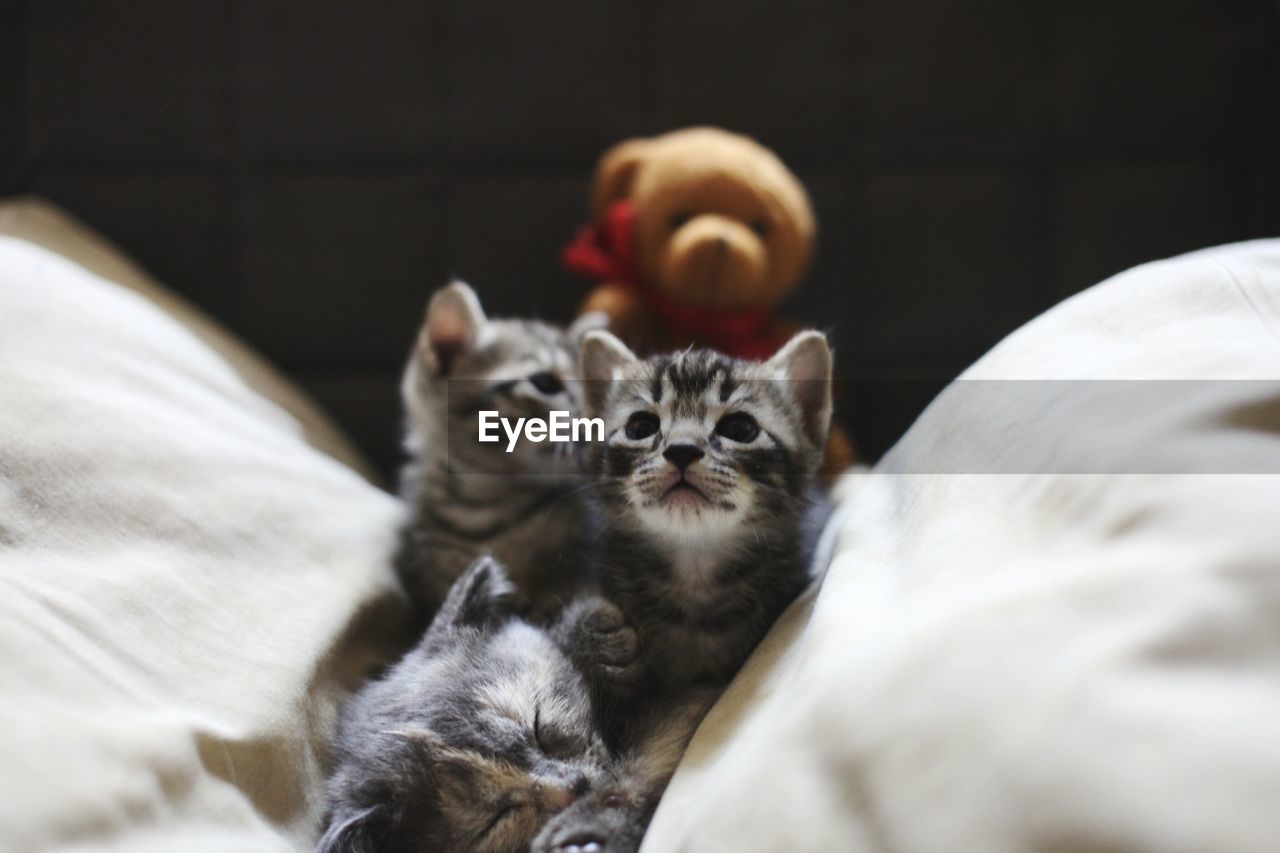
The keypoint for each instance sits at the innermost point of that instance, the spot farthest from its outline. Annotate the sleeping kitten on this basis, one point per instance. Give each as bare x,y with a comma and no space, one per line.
704,477
469,498
474,739
613,817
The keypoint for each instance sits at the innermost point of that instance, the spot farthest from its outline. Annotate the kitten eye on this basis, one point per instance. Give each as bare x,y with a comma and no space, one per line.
504,812
679,219
739,427
547,383
641,425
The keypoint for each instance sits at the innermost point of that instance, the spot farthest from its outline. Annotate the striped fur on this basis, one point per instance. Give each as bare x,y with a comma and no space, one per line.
468,498
703,574
617,810
700,575
472,741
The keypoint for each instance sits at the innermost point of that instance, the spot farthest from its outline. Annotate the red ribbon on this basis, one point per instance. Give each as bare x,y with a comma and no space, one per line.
606,251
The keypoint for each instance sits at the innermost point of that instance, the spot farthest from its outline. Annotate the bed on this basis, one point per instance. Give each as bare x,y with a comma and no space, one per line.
1047,619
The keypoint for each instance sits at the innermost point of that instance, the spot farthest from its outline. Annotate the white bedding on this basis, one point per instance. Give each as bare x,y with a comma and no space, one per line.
187,586
1002,656
1008,657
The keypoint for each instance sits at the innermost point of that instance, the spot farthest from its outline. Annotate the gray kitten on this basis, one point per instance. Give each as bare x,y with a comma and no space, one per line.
613,816
705,478
469,498
477,736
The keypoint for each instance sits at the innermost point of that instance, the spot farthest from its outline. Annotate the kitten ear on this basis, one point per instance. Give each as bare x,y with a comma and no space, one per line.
482,597
589,322
805,365
421,738
603,357
434,750
363,831
453,326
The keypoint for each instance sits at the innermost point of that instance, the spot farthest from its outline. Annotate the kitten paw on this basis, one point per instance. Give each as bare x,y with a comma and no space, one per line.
581,845
605,823
607,644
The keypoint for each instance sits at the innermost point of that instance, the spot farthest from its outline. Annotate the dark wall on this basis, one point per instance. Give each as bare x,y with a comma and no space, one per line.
308,171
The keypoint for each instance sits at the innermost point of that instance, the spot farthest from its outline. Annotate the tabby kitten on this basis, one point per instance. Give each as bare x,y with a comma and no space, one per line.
474,739
705,478
613,817
469,498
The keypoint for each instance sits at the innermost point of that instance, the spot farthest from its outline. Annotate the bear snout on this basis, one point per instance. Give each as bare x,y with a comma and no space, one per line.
715,261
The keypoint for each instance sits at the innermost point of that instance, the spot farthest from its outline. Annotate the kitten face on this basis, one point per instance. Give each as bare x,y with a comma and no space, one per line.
698,444
465,363
472,742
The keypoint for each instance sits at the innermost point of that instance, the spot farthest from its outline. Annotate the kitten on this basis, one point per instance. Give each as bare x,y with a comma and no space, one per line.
469,498
613,817
705,478
475,738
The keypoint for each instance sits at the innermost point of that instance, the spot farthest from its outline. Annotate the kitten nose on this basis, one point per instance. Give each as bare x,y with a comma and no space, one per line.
682,455
556,798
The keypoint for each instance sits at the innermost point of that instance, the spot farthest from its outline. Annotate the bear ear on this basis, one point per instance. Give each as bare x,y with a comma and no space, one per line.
615,174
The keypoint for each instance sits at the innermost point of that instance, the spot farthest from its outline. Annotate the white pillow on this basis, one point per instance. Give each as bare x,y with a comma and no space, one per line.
35,220
1033,633
189,587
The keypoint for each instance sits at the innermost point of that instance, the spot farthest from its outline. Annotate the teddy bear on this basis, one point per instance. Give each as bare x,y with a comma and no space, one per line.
696,236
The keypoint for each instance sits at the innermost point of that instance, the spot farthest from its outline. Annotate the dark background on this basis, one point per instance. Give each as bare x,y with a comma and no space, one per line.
309,171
